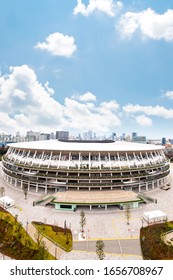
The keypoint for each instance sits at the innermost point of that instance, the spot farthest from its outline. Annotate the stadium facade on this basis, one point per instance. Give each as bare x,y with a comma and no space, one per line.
90,173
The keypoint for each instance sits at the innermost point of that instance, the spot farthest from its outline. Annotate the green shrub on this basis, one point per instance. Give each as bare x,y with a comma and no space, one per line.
152,245
16,242
60,236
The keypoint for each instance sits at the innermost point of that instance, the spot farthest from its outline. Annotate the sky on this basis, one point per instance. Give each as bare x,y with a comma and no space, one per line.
80,65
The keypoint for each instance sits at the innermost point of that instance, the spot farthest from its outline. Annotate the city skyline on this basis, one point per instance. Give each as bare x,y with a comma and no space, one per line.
104,66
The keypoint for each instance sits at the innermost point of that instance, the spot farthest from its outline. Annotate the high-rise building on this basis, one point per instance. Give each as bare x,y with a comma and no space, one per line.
138,139
113,137
163,141
32,136
44,136
62,135
52,135
134,135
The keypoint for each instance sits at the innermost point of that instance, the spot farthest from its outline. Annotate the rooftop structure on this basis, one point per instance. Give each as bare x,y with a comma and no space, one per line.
81,166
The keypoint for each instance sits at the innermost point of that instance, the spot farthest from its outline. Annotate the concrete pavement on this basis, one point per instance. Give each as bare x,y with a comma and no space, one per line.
100,223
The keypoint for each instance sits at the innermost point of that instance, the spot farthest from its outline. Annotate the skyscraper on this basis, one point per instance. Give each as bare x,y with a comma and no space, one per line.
62,135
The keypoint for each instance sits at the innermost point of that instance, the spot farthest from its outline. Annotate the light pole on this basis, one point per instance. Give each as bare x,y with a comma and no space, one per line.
142,222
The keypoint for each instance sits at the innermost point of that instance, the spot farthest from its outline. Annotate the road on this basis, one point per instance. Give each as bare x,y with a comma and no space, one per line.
117,246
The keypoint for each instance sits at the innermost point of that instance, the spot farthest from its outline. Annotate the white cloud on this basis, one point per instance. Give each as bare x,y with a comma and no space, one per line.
49,90
169,94
157,110
88,96
20,94
89,117
22,97
151,24
27,104
110,105
144,120
109,7
58,44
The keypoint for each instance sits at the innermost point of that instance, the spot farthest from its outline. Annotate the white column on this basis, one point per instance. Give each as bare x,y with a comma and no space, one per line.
99,161
17,155
34,157
128,160
142,159
79,161
119,160
153,185
152,156
135,159
109,157
45,191
59,159
27,156
50,159
89,160
41,158
28,186
69,160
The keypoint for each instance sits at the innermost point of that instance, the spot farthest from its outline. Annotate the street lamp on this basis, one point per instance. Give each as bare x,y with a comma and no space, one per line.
142,222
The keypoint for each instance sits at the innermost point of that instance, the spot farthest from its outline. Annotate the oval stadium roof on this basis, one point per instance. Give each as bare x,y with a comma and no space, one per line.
89,146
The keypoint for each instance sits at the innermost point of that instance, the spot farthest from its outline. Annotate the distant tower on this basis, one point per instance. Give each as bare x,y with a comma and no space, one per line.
163,140
114,136
62,135
134,135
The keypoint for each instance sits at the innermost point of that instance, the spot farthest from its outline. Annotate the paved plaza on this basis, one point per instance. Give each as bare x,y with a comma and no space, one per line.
102,224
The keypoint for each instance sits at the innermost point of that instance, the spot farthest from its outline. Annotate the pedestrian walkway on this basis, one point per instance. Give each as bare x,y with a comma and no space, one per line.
52,248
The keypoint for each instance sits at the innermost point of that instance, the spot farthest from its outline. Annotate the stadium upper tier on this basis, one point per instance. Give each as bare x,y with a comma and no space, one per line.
53,165
78,154
85,146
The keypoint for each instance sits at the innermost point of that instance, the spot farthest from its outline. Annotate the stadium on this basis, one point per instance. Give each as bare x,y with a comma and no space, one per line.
86,173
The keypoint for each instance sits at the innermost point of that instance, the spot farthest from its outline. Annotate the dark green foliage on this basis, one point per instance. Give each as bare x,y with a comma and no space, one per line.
152,245
15,241
100,249
60,236
82,221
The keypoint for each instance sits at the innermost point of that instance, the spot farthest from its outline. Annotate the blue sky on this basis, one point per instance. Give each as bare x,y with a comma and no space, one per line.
100,65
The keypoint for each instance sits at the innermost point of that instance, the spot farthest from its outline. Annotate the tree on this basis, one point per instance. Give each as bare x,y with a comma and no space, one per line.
128,213
38,238
41,246
82,221
42,251
100,249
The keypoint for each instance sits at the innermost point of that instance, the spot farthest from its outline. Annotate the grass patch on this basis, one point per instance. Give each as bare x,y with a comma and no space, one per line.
16,243
60,236
152,245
